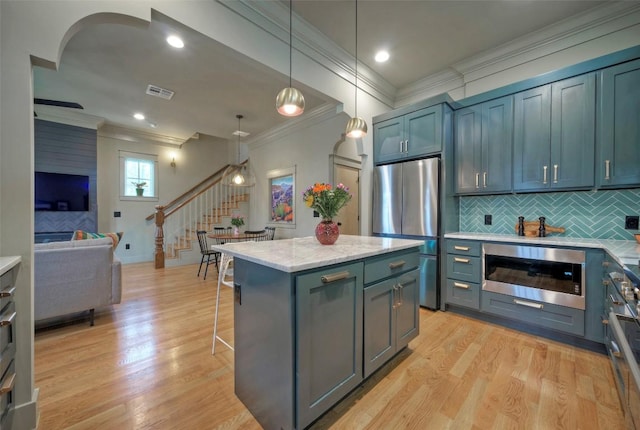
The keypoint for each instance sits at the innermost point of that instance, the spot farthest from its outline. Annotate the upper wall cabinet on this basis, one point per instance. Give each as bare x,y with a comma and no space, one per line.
483,144
412,135
554,136
619,133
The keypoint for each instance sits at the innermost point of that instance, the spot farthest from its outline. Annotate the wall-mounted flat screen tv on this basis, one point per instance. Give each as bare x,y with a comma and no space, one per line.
61,192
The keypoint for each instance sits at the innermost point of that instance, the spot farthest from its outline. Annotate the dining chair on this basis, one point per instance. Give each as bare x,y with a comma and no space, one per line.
271,232
207,252
256,235
225,277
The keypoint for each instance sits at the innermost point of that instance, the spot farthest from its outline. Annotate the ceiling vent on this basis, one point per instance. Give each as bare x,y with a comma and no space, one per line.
154,90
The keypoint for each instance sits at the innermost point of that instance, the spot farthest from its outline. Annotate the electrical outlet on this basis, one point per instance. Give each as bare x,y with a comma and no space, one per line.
487,219
631,222
127,246
116,214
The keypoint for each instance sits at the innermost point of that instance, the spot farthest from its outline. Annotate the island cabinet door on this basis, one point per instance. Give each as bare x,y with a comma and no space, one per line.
328,338
379,324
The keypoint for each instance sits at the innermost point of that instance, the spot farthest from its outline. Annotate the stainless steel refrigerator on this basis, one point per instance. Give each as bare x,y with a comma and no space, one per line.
405,204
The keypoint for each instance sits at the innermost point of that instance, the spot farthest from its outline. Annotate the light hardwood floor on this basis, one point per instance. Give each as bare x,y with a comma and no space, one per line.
147,364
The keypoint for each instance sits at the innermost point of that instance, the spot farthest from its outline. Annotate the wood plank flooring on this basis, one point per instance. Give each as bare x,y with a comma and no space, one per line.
147,364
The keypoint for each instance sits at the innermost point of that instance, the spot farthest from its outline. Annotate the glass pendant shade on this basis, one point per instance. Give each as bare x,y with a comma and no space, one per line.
356,128
290,102
238,179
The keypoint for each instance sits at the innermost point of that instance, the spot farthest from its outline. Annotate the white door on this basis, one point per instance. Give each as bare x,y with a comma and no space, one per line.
349,217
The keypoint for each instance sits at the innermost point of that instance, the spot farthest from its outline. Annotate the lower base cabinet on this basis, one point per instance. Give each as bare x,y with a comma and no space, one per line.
560,318
390,318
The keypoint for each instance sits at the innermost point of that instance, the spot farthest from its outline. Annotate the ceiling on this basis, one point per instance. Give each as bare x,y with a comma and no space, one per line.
107,67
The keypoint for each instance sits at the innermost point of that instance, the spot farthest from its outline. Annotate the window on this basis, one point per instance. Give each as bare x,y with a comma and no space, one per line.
138,169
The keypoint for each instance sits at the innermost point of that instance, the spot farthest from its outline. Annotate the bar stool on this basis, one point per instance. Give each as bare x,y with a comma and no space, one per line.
225,277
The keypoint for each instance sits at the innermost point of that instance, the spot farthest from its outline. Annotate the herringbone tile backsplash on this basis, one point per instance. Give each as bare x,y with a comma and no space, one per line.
586,214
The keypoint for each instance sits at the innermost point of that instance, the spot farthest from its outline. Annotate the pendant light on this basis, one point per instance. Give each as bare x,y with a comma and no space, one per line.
242,176
356,127
290,101
238,178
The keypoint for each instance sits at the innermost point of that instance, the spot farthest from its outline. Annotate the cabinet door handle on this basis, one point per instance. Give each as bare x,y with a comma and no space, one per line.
461,285
406,145
607,168
544,175
7,293
484,179
555,173
461,248
528,304
477,180
461,260
8,384
401,146
334,277
396,264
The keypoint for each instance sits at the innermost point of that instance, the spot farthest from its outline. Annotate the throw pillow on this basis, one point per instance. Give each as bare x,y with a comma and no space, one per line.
81,235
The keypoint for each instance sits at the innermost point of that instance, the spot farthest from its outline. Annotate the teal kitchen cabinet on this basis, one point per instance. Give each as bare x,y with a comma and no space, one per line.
554,136
329,330
390,318
482,147
412,135
619,135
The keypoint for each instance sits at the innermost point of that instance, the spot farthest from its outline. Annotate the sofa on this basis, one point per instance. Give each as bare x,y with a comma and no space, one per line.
75,276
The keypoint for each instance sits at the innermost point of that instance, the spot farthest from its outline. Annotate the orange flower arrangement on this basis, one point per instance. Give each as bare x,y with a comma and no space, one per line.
326,200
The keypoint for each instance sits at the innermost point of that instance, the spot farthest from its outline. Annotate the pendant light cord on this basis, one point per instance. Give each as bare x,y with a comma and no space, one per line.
356,98
290,40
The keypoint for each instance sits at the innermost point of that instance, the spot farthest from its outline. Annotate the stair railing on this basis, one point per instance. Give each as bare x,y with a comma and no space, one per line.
184,214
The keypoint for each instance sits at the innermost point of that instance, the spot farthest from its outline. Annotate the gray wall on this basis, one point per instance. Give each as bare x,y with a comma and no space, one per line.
61,148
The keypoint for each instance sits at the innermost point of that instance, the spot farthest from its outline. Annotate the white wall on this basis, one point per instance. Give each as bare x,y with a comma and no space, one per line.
195,161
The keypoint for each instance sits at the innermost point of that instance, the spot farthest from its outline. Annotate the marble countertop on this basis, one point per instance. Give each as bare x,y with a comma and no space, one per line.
626,252
7,263
294,255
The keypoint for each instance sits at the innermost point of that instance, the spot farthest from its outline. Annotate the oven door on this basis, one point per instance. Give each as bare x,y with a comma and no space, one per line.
551,275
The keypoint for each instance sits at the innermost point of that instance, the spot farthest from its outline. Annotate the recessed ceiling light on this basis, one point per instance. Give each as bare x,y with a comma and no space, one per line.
382,56
175,41
138,116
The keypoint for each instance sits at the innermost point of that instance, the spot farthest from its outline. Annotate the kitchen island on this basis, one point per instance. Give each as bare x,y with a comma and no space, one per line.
312,322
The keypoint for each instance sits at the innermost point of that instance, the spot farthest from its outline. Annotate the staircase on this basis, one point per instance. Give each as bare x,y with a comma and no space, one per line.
209,204
183,240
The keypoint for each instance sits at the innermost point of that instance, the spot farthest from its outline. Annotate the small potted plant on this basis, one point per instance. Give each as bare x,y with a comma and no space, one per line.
237,221
139,187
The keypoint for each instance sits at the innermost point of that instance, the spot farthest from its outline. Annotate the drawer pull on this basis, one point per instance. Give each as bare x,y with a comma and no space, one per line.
7,293
461,260
396,264
615,350
461,285
528,304
8,321
8,384
334,277
461,248
613,300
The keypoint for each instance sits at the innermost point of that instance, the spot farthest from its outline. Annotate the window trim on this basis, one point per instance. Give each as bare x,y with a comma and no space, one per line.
123,156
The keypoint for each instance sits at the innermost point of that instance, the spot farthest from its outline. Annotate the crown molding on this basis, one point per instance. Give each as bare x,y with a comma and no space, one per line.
580,28
430,86
68,117
311,118
114,131
273,17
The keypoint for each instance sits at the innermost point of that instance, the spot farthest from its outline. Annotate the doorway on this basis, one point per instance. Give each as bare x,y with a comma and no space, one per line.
349,217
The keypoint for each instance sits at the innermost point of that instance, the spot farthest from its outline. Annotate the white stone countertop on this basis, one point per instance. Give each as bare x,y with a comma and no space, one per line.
626,252
7,263
294,255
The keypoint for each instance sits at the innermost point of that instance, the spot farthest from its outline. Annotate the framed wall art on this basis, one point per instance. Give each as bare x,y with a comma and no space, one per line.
282,192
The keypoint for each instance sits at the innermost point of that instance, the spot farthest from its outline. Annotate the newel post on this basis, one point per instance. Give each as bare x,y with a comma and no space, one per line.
159,235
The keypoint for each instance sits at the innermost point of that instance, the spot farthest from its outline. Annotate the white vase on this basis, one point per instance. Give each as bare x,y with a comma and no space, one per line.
236,231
